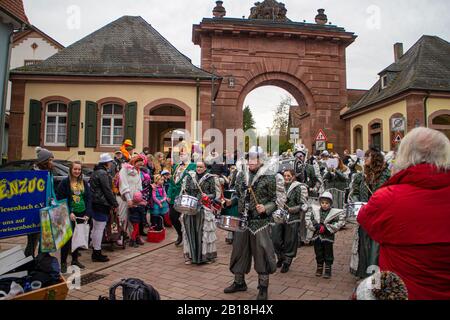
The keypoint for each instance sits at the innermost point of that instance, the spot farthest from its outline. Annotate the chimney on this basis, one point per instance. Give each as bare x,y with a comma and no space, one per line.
219,11
398,51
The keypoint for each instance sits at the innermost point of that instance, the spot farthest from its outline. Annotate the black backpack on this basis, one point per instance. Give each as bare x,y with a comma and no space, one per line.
133,289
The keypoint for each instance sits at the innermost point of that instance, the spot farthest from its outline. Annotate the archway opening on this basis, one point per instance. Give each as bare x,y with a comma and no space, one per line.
162,120
269,108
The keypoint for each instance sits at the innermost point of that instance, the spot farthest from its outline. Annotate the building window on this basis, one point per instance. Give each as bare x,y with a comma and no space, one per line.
375,126
31,62
358,138
376,140
440,120
376,134
384,81
56,124
112,125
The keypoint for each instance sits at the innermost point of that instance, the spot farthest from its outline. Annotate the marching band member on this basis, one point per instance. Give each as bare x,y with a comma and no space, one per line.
305,172
365,251
256,194
285,235
199,231
179,172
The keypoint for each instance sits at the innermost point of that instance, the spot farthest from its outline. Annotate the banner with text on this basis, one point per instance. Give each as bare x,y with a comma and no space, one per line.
22,195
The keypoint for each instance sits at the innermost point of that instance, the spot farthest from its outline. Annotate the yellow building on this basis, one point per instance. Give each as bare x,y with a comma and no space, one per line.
414,91
124,81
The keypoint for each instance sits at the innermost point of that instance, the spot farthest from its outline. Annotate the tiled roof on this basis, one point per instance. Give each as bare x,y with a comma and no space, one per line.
425,66
23,34
128,46
15,9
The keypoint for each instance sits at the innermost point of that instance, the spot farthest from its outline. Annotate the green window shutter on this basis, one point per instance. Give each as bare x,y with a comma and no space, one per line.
130,121
73,125
34,124
90,123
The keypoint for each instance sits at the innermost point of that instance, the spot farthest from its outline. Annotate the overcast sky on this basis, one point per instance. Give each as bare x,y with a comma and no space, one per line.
378,24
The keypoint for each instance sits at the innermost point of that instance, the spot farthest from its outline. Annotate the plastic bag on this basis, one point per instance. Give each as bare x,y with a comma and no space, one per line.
80,238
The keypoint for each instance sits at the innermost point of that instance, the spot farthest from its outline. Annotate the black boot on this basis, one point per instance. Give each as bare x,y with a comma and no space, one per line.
77,263
262,294
141,230
133,244
279,262
97,256
263,285
319,270
179,241
327,274
63,267
236,287
285,268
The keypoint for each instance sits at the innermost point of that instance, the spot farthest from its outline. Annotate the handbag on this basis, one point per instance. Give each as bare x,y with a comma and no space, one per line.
80,238
56,228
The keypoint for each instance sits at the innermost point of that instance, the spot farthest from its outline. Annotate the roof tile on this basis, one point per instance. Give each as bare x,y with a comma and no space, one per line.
128,46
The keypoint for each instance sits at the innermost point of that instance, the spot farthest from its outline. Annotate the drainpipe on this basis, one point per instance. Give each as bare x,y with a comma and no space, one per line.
425,108
5,93
197,115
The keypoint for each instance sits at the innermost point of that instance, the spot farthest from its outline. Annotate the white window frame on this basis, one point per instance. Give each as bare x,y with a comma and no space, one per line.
112,117
384,80
57,115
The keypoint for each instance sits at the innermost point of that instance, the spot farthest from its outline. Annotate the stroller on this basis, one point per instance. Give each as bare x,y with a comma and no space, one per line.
114,232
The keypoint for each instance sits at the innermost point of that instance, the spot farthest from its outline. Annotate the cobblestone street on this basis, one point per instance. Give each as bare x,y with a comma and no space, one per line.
162,266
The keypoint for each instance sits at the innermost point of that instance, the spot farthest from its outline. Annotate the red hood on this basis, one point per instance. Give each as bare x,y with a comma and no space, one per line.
424,176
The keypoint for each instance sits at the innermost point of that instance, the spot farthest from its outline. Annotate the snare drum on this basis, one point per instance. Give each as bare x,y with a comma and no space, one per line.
229,223
280,216
186,204
352,210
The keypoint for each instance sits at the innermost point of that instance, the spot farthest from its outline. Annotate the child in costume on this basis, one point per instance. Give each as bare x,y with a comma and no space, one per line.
160,205
324,221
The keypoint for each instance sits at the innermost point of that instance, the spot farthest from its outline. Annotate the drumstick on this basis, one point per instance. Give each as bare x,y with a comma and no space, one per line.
254,196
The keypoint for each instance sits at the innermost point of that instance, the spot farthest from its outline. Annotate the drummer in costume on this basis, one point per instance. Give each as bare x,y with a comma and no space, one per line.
199,231
285,235
307,173
179,172
365,251
256,194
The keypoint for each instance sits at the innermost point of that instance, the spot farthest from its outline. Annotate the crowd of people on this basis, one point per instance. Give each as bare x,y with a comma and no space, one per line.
403,225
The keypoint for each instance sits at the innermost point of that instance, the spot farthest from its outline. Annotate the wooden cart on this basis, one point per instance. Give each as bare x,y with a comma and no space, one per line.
56,292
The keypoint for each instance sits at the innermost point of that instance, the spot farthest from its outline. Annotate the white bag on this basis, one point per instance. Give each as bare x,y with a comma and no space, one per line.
80,238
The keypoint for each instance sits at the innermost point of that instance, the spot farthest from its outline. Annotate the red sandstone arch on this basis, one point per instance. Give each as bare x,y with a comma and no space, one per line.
291,84
307,60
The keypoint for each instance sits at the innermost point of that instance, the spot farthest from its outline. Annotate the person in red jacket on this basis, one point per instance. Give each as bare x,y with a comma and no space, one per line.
410,216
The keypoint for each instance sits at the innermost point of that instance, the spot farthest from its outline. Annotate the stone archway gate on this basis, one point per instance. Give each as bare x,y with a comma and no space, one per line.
307,60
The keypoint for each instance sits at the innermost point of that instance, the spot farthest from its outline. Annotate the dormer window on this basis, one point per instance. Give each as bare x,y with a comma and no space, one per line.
384,81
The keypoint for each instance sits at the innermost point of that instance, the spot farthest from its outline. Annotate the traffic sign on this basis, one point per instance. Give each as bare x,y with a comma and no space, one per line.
398,138
398,124
321,145
294,133
321,136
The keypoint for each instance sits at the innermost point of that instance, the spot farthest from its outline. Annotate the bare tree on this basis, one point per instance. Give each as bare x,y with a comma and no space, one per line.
281,116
